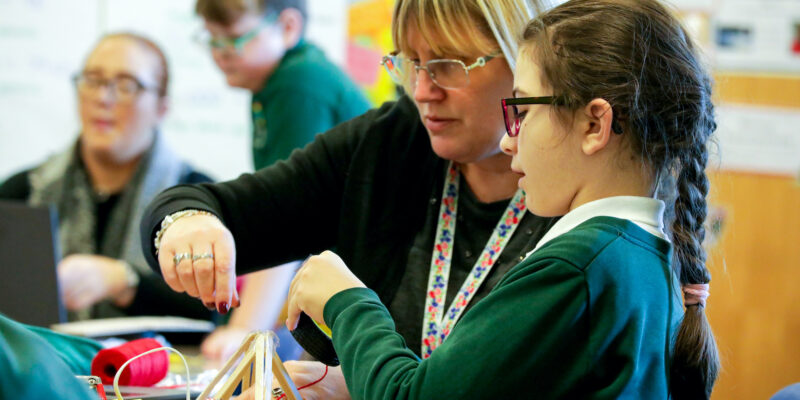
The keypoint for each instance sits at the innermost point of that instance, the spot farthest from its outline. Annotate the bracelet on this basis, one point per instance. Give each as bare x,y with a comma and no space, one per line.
170,219
131,277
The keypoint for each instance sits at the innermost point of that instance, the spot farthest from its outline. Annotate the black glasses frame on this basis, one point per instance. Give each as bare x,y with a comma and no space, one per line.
513,125
513,102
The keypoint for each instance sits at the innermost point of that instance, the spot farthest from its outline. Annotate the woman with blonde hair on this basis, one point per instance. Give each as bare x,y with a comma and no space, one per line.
387,190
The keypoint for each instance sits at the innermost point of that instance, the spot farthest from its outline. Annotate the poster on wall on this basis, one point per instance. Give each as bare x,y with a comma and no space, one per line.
757,35
369,38
757,139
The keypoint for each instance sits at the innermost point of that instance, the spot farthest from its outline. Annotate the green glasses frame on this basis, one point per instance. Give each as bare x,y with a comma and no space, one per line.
204,38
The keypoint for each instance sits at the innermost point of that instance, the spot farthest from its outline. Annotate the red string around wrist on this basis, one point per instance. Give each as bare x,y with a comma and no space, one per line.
283,395
316,381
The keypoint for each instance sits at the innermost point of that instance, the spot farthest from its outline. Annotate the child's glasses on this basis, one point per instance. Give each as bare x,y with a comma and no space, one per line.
513,118
232,45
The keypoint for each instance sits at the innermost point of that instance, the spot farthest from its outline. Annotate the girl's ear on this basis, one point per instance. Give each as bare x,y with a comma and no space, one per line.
597,126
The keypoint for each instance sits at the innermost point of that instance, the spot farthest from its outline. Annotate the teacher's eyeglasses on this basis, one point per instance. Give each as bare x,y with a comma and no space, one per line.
445,73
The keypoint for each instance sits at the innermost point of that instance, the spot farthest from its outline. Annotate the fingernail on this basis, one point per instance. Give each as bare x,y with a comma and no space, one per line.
210,306
222,308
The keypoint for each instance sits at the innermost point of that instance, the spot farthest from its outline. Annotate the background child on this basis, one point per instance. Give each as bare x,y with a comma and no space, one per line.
611,98
297,93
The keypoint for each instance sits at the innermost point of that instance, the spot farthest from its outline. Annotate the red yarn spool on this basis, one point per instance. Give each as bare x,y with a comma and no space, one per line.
144,371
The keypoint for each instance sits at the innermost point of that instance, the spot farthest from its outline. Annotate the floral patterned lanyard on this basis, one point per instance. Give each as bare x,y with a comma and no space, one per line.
436,325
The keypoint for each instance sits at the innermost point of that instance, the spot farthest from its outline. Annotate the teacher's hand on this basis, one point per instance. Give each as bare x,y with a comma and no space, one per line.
197,255
315,283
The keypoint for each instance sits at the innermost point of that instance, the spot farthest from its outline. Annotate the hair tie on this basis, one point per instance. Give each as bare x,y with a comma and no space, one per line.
694,294
146,371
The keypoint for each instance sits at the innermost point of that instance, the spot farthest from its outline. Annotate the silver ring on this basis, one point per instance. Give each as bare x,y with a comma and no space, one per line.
202,256
181,256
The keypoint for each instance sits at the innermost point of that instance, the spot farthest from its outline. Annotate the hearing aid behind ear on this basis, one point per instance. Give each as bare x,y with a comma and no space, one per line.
315,341
616,127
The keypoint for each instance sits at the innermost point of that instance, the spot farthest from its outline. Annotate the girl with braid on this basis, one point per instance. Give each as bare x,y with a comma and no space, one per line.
610,99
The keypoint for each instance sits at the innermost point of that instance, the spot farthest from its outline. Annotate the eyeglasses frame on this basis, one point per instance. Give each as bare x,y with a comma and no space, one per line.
550,100
236,44
111,84
521,101
480,62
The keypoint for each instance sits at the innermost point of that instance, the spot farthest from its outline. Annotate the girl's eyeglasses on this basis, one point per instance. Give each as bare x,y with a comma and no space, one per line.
513,118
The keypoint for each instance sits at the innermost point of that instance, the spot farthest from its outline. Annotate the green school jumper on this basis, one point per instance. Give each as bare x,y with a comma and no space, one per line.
304,96
589,315
37,363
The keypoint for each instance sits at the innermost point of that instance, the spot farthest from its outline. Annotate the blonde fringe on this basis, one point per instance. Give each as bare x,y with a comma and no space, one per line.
466,28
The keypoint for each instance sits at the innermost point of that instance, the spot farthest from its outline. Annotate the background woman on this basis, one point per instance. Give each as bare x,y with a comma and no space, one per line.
101,184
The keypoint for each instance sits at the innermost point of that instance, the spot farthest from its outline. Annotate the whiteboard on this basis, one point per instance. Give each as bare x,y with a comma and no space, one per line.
44,42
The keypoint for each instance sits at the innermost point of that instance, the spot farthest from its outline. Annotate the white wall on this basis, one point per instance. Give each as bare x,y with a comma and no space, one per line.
44,42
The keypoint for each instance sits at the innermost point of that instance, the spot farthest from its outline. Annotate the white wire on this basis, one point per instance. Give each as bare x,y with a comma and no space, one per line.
185,364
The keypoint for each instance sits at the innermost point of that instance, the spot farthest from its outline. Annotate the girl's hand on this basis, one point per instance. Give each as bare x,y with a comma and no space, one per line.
315,283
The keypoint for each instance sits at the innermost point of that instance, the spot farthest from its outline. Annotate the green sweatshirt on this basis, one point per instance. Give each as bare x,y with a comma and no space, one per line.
304,96
590,315
37,363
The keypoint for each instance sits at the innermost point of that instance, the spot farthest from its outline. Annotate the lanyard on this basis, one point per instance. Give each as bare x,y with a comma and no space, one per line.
436,325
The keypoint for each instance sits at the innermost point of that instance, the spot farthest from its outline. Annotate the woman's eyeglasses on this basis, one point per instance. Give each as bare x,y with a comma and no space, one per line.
513,117
124,88
445,73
